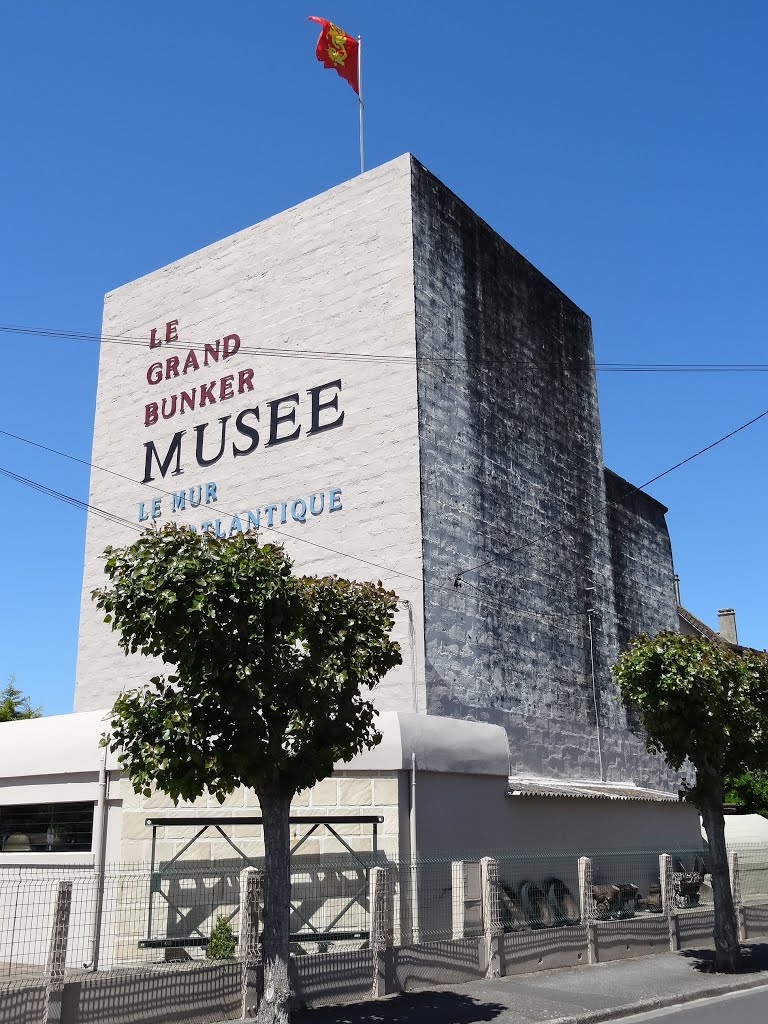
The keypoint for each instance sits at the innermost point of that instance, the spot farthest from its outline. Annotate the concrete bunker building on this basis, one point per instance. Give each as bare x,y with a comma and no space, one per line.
383,383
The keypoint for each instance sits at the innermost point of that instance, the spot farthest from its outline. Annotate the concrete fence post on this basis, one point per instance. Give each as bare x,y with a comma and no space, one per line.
587,907
57,954
459,899
668,899
381,929
249,950
738,902
492,930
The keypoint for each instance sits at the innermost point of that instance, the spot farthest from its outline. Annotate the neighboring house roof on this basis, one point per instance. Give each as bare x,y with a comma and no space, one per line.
700,627
587,789
704,630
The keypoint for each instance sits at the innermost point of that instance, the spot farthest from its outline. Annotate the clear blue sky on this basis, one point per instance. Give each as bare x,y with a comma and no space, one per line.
620,146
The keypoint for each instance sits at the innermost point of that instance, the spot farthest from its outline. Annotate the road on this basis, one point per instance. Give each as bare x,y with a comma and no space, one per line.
739,1008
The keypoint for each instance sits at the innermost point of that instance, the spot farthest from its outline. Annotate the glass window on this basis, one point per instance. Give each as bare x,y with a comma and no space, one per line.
40,828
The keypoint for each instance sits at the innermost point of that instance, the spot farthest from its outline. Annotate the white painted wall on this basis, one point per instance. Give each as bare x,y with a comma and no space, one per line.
333,275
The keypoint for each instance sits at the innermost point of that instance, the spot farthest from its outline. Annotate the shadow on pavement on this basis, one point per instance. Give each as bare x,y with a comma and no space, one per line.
754,958
410,1008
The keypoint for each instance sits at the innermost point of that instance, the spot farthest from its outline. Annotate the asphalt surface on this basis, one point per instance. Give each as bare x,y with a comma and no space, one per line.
585,994
741,1008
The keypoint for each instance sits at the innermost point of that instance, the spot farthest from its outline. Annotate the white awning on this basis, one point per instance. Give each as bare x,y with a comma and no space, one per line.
53,745
586,789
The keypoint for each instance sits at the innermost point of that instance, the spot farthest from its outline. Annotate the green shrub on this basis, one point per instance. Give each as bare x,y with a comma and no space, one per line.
222,944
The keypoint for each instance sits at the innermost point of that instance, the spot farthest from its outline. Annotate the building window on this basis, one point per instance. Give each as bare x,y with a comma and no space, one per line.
46,828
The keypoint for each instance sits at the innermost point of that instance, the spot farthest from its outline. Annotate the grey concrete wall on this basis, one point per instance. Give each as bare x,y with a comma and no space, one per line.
512,475
23,1004
197,994
345,976
624,940
527,952
694,928
641,558
451,961
492,821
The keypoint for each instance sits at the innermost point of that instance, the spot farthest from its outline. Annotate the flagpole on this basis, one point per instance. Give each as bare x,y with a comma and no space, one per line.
360,97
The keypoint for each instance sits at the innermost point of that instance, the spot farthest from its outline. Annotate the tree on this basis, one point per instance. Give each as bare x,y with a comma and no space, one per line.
749,790
221,944
266,688
707,703
14,706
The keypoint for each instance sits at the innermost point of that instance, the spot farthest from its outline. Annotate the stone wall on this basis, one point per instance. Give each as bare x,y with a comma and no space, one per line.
641,556
341,795
512,482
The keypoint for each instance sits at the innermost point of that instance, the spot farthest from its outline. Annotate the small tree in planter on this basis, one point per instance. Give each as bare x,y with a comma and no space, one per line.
708,703
269,672
222,943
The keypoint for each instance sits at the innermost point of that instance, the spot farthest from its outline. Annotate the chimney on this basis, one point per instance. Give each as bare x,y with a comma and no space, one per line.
726,620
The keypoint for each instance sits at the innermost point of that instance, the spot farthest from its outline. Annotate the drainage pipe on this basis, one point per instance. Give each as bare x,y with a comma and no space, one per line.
99,856
414,863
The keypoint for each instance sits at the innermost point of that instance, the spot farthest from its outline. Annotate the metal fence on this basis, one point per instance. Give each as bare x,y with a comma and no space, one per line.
753,872
136,920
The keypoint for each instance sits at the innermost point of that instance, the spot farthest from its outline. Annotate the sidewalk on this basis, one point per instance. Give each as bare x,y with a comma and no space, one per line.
584,994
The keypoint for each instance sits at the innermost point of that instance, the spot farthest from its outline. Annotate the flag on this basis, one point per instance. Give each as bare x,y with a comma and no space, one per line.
335,49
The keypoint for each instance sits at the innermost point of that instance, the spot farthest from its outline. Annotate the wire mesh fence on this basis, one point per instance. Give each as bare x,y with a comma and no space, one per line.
628,883
26,907
753,872
136,918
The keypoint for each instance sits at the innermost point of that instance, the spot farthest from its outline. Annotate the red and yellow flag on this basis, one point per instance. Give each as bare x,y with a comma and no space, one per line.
335,49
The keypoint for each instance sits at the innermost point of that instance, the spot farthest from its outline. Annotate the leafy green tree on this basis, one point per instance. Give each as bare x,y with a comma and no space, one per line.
14,706
266,686
749,790
707,703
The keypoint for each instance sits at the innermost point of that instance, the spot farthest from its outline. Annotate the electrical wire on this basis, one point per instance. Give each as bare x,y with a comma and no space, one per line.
487,595
572,633
67,498
587,365
620,500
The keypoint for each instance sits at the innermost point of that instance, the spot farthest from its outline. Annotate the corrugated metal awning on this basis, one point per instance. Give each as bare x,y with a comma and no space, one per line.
587,789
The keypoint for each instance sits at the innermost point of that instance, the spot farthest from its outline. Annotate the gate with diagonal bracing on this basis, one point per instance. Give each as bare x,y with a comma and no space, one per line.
329,901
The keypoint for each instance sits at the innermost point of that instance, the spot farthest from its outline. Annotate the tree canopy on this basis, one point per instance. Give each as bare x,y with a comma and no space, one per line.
749,790
701,701
268,669
266,686
706,703
14,705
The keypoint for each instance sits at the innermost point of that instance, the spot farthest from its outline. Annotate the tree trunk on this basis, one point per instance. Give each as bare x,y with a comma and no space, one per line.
274,1007
727,948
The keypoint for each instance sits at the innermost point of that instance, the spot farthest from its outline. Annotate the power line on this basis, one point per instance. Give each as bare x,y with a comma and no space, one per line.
586,365
458,580
286,533
633,490
551,618
123,476
274,529
68,498
450,591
